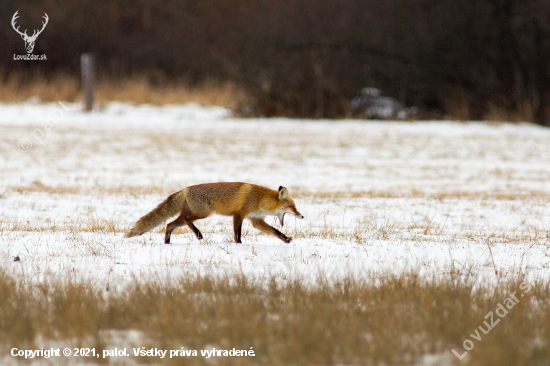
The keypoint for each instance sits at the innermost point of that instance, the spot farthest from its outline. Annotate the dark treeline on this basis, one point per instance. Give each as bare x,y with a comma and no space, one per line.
307,58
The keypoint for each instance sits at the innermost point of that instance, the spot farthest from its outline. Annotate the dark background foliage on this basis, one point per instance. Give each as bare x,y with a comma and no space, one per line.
306,58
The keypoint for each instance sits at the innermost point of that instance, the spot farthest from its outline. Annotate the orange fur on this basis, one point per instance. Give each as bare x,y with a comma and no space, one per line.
240,200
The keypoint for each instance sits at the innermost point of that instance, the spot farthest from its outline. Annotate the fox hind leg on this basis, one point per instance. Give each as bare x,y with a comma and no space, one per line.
180,221
193,228
186,218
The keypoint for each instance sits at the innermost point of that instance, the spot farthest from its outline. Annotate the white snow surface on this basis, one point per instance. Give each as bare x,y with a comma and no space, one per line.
379,198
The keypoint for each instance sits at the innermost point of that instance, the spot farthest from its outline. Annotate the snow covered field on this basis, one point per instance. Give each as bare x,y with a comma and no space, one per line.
378,197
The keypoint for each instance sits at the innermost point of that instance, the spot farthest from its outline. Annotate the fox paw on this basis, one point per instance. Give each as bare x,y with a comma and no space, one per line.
287,240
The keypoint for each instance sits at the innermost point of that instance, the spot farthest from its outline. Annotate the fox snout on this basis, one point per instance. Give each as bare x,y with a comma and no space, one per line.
297,214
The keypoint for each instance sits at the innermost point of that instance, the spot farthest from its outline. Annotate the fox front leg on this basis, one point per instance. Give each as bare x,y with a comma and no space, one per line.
264,227
237,227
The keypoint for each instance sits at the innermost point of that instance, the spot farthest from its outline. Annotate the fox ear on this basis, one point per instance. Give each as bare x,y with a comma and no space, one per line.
283,193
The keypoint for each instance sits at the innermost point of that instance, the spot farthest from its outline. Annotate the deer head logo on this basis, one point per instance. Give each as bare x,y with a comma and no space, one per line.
29,40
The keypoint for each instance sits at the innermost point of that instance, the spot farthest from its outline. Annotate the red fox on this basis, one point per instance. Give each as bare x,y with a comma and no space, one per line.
240,200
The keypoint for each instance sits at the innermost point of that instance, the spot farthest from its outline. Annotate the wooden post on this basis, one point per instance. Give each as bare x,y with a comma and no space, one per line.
87,71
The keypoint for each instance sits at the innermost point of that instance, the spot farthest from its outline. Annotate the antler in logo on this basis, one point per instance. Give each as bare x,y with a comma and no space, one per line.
29,41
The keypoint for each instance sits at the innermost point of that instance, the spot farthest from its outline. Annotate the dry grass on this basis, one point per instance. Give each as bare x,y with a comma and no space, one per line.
361,232
502,195
415,193
134,191
525,112
382,320
90,224
19,87
458,106
139,90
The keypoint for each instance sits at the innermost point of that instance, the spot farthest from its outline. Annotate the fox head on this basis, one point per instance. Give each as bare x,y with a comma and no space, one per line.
287,205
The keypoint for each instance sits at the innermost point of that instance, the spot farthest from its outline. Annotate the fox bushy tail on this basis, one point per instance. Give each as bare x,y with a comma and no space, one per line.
166,209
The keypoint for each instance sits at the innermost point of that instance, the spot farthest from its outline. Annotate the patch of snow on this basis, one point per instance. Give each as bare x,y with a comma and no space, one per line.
396,170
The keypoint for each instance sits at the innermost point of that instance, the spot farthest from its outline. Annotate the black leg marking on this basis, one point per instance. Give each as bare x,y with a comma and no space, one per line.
170,227
185,218
192,226
178,222
237,227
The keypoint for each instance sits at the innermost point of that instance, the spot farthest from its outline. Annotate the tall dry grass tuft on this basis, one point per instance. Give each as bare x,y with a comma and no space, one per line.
392,320
140,90
525,111
19,87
